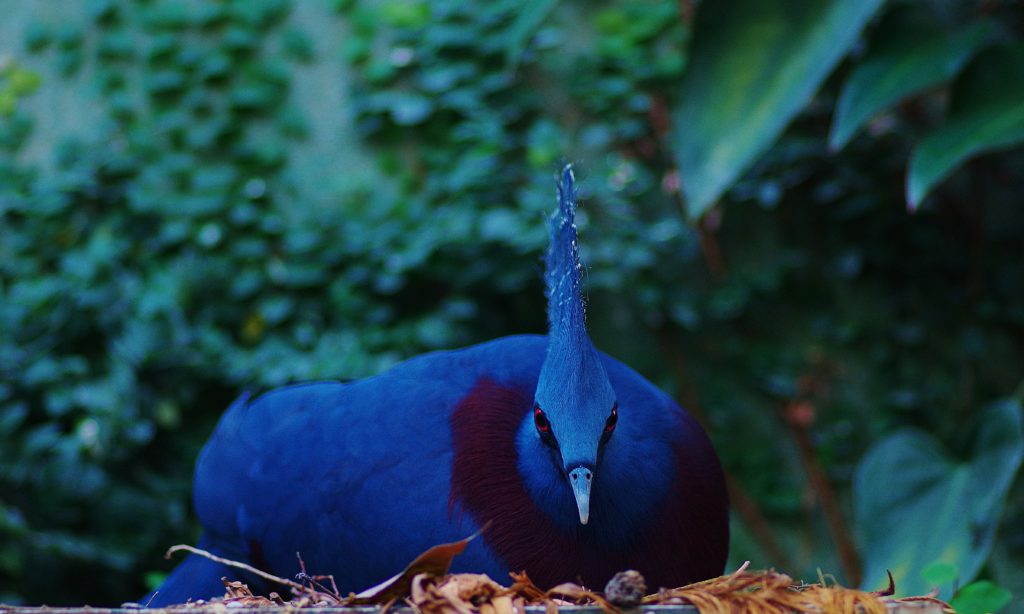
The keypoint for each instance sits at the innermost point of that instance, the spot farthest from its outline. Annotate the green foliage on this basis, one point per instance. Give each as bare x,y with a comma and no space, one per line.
754,66
722,128
932,509
981,597
977,597
176,252
985,114
940,573
910,54
15,83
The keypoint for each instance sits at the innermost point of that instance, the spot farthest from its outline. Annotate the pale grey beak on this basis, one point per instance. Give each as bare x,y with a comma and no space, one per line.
581,478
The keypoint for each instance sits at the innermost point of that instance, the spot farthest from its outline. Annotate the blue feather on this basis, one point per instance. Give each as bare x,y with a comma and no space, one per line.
562,263
578,466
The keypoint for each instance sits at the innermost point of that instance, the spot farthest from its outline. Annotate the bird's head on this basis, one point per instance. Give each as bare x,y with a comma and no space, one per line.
575,410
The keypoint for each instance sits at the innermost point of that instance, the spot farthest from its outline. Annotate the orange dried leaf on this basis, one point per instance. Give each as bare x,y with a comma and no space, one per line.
523,586
434,562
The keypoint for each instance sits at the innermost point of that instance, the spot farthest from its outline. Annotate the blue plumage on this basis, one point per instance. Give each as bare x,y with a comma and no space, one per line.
579,464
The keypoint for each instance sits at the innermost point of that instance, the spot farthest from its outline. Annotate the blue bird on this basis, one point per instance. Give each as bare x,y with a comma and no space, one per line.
577,466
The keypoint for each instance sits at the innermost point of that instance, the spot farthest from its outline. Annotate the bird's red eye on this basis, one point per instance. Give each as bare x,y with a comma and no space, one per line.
540,420
613,419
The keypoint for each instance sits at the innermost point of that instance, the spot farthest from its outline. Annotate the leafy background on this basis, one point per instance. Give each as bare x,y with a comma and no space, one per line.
802,218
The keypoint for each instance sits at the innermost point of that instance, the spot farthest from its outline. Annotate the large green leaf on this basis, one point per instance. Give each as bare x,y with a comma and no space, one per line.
753,65
915,506
986,113
981,597
906,57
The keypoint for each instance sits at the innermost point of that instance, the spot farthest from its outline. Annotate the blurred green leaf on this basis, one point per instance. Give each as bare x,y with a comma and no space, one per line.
915,506
986,113
753,65
409,108
69,36
37,37
116,45
531,14
981,597
405,13
167,15
69,61
903,60
22,82
297,44
164,82
102,12
240,39
8,103
940,573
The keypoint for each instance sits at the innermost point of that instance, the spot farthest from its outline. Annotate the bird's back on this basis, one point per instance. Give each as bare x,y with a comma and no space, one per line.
354,476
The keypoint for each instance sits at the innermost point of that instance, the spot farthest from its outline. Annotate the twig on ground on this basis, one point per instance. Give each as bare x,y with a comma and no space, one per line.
266,576
314,581
742,568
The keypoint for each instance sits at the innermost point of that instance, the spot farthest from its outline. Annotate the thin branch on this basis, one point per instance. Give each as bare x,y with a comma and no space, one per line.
687,9
709,246
849,560
314,581
249,568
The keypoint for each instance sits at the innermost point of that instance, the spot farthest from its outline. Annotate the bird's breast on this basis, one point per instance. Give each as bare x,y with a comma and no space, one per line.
487,484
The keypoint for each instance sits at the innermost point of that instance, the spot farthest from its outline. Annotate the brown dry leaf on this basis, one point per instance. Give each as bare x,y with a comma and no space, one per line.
577,595
530,593
839,599
434,562
431,591
768,592
239,593
451,600
475,588
462,593
502,604
235,589
276,599
523,586
430,598
570,592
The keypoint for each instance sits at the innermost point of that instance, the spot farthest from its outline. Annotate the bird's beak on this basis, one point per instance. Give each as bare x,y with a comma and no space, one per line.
581,478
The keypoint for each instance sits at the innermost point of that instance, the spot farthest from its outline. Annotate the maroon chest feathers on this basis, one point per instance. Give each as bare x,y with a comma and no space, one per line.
685,539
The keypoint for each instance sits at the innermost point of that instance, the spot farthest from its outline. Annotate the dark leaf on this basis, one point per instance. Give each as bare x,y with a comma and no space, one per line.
904,62
754,65
916,506
986,114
